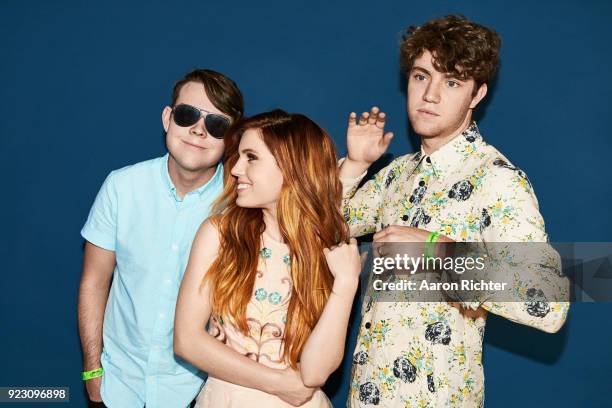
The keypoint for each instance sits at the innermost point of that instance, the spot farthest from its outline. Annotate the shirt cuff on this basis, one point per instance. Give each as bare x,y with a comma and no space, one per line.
350,180
98,238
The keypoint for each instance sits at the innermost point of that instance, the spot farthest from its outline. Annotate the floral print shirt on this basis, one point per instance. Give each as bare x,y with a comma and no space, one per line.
429,354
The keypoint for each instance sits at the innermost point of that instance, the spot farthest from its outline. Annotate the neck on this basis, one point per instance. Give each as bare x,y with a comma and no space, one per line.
186,181
432,144
271,222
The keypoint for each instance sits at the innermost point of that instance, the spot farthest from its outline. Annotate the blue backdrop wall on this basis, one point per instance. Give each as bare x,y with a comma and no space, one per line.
83,85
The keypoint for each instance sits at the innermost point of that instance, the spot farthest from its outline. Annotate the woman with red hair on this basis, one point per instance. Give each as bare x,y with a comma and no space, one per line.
272,270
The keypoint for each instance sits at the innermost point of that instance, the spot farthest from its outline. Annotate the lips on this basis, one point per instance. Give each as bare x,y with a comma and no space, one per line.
427,112
194,145
242,186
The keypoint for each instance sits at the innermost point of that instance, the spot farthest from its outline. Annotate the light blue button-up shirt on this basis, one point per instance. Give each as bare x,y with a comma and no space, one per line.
138,214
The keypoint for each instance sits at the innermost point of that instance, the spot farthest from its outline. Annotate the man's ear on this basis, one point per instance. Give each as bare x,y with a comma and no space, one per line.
166,117
480,94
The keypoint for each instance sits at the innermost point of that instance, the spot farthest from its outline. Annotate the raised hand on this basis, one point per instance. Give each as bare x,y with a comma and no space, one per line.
366,138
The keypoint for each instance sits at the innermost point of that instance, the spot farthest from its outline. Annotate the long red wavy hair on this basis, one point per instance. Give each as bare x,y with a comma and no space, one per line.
309,218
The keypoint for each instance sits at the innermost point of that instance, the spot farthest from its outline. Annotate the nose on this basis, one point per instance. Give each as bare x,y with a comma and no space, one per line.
238,169
432,92
199,129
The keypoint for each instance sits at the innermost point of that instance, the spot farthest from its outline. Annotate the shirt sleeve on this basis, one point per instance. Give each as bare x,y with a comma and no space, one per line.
511,218
362,207
101,226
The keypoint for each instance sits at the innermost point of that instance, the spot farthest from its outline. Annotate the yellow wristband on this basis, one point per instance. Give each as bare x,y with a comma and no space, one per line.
88,375
430,244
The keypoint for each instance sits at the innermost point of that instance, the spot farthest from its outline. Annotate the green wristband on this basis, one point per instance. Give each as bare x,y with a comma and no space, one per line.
430,244
88,375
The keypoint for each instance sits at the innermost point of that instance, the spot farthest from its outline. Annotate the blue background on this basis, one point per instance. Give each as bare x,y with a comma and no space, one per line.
83,86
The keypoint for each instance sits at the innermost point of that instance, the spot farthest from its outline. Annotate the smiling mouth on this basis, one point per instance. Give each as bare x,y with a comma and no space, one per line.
242,186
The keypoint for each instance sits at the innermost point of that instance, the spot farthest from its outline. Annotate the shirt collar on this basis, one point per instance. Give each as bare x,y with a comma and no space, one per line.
454,153
199,191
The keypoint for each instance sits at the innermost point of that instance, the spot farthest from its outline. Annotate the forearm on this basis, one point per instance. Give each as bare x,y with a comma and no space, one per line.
361,206
535,294
324,348
91,305
222,362
352,169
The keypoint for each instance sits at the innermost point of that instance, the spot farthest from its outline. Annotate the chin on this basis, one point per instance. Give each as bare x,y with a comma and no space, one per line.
426,130
253,202
422,127
191,163
196,167
241,202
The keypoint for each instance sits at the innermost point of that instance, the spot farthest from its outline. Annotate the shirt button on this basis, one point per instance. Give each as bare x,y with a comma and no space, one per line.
174,247
428,160
368,325
168,281
162,316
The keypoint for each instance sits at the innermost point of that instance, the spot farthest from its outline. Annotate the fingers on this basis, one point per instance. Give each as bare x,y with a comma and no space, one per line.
388,236
352,121
379,235
392,233
387,139
352,243
380,120
373,117
363,119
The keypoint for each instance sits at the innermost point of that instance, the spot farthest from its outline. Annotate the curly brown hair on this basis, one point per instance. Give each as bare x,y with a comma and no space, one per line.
458,46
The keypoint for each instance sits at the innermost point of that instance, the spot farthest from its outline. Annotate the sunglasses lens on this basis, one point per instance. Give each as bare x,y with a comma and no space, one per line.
185,115
216,125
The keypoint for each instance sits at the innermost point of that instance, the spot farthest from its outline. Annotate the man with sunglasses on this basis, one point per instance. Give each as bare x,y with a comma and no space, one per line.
138,235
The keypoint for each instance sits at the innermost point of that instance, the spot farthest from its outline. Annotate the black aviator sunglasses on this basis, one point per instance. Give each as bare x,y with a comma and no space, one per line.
186,115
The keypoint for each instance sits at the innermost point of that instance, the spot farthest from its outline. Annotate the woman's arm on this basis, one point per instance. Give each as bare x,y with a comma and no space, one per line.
195,345
324,349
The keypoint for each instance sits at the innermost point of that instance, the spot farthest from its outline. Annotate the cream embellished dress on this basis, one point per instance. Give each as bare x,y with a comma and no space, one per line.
266,318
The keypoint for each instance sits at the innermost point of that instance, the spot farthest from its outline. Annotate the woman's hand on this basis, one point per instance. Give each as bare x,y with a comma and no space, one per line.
291,389
345,265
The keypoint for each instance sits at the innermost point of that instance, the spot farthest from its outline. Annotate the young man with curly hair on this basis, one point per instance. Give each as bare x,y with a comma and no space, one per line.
457,188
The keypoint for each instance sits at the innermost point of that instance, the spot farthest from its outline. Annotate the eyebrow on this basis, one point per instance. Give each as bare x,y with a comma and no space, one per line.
447,75
244,151
220,113
455,77
417,68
